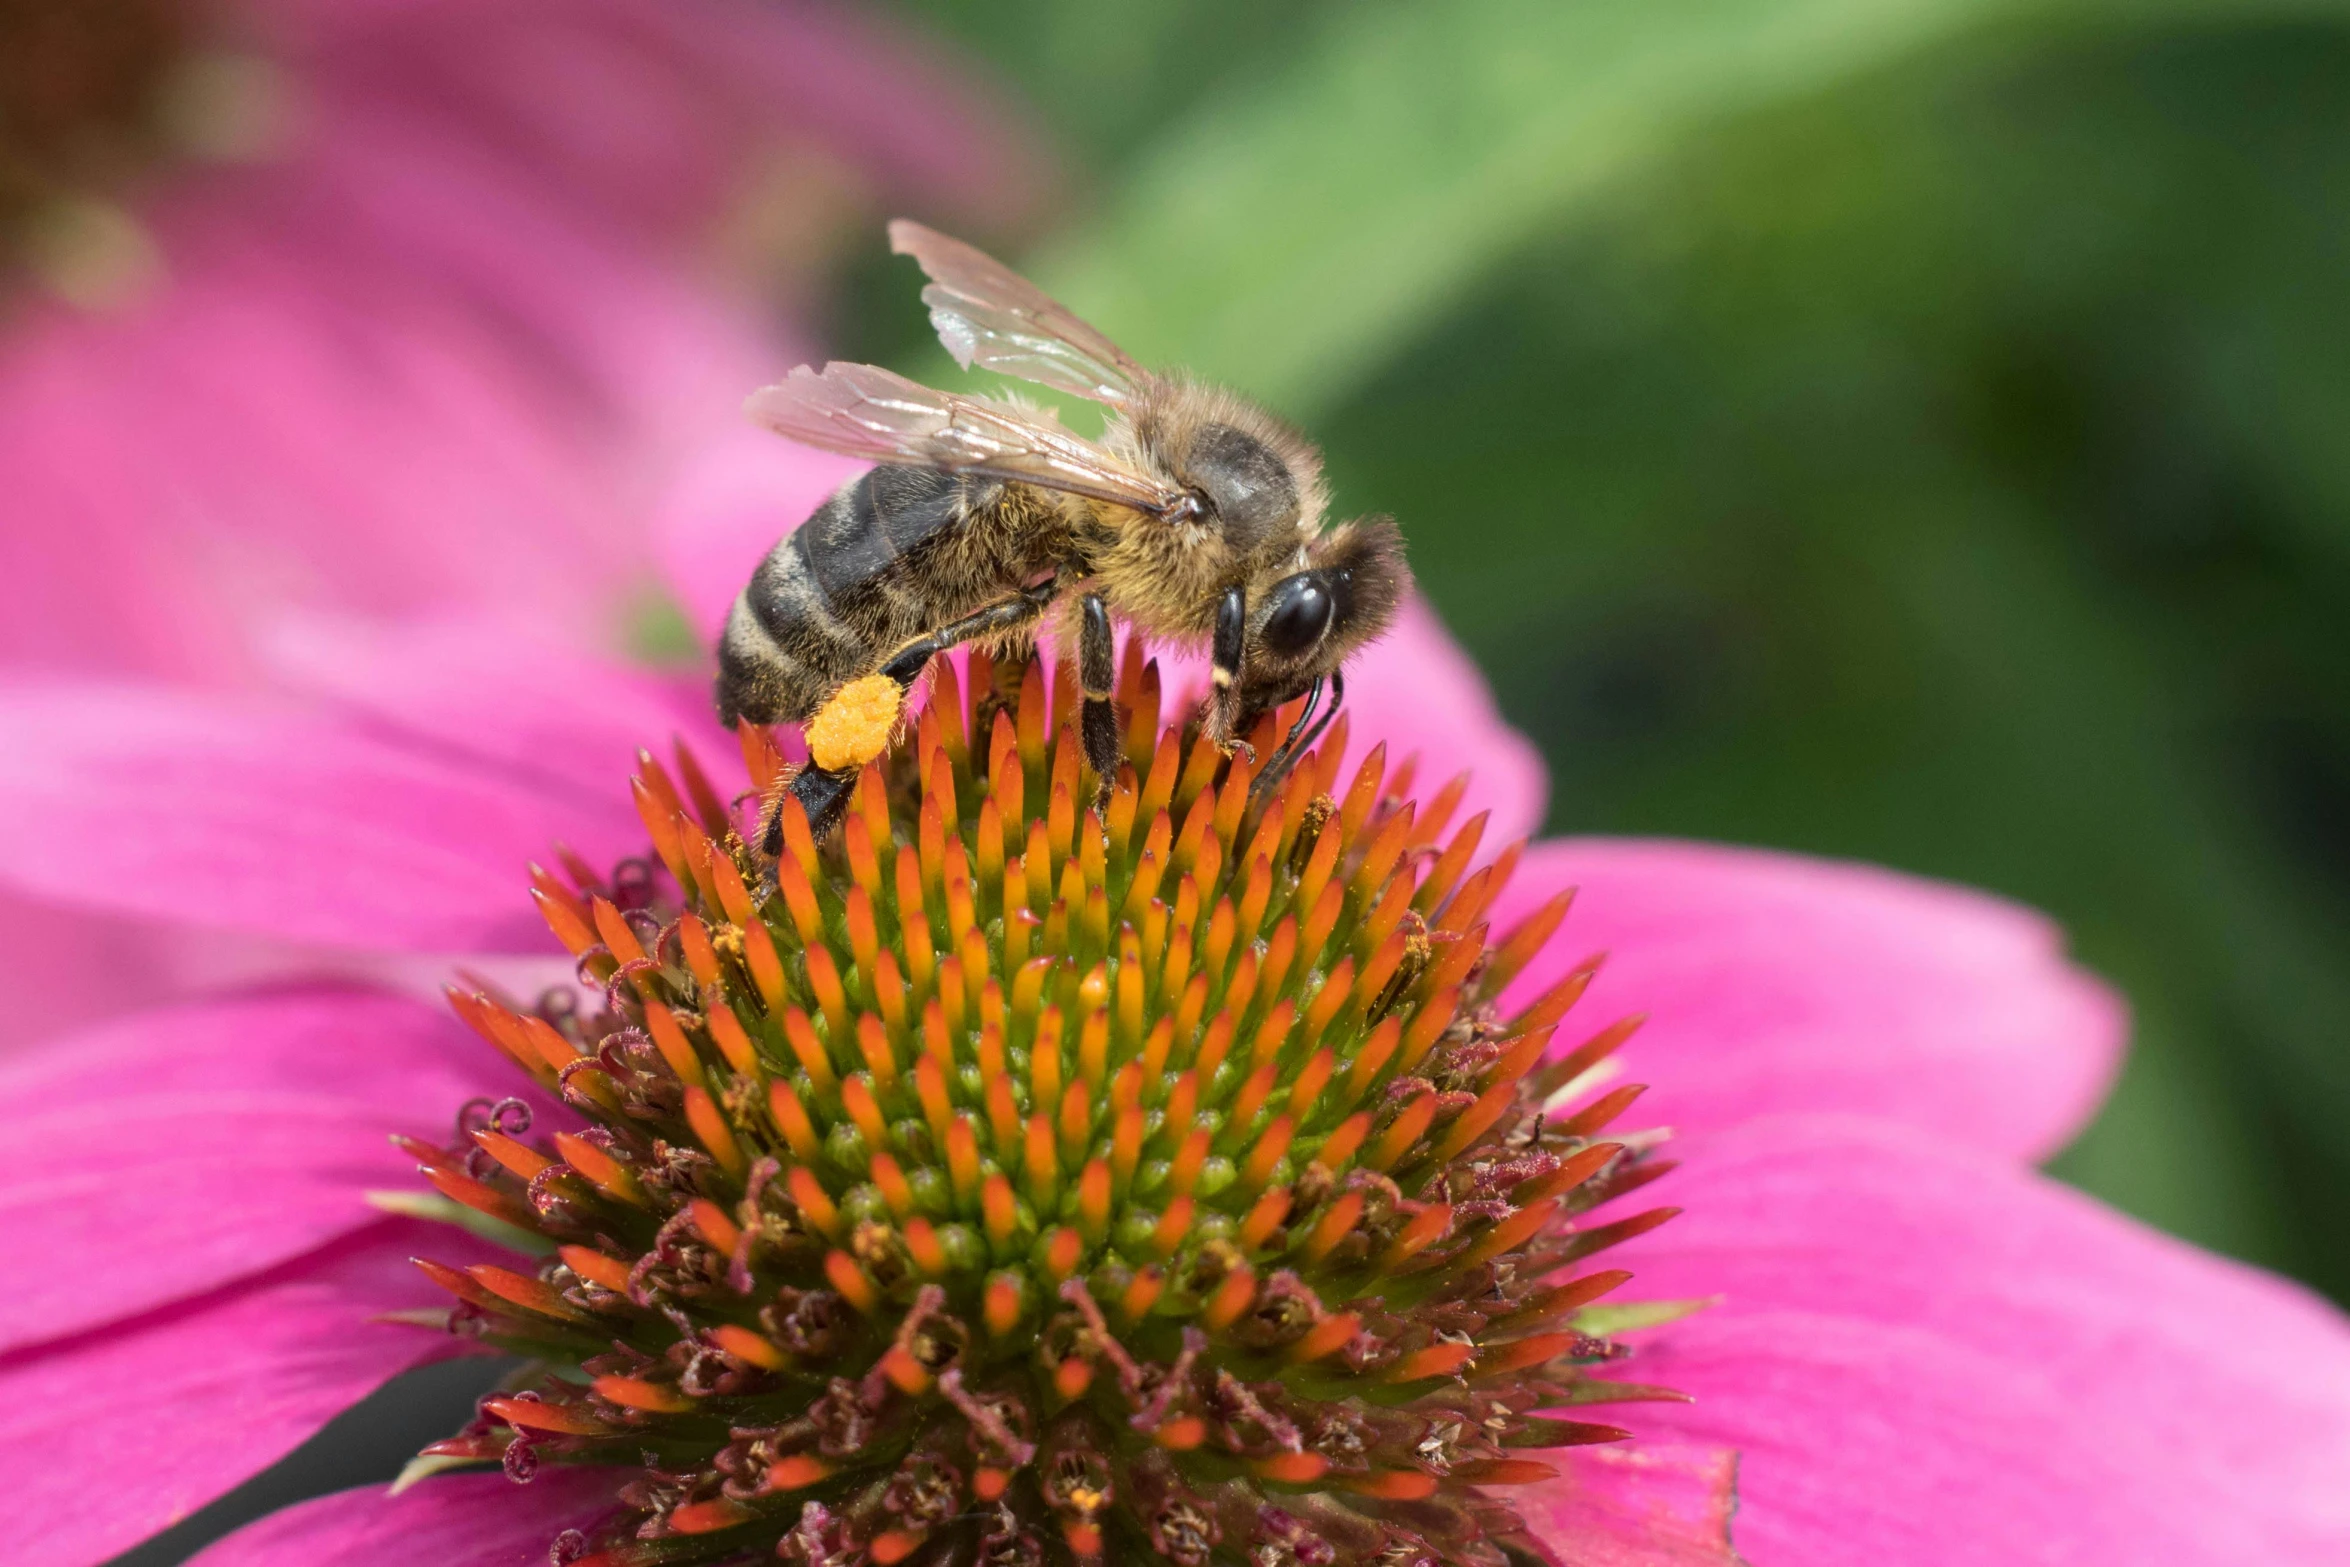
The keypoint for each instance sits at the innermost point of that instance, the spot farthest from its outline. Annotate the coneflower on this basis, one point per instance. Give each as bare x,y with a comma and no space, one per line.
1013,1182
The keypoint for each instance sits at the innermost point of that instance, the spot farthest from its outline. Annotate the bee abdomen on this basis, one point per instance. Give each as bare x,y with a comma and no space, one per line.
834,596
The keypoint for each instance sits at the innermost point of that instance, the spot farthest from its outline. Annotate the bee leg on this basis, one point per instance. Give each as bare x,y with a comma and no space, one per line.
823,792
1097,676
1231,639
1028,605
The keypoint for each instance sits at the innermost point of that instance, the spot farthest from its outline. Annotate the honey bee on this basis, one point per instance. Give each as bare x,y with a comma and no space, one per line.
1196,517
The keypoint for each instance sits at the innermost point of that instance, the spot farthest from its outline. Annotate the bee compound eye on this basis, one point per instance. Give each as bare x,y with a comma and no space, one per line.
1301,613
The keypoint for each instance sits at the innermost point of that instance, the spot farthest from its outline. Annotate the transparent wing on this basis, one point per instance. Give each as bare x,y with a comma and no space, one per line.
989,315
865,411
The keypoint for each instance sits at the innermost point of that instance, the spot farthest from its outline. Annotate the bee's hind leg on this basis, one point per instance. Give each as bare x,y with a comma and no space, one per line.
1097,675
823,792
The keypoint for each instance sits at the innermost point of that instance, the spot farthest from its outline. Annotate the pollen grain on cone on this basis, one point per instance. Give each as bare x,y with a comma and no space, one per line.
1003,1182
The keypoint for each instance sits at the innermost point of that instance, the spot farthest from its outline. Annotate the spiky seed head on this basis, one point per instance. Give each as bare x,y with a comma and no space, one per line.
1011,1183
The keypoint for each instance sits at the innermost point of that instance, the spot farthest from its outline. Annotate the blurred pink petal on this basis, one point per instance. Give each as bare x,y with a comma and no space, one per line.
1926,1355
1645,1505
1419,693
121,1432
274,821
164,1155
483,689
1774,982
458,1520
72,967
441,348
743,491
653,117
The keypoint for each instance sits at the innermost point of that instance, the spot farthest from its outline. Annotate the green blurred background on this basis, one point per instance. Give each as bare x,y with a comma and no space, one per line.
1903,429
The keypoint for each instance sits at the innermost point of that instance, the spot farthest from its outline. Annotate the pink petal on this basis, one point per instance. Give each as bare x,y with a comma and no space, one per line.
1645,1505
655,117
1926,1355
521,705
1774,983
1417,691
139,1424
71,969
730,504
224,811
442,347
159,1156
456,1520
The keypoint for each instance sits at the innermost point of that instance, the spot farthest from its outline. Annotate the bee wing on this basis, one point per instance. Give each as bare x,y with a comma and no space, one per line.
989,315
865,411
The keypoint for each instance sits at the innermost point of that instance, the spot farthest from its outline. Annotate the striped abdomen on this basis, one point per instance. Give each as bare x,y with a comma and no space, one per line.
888,558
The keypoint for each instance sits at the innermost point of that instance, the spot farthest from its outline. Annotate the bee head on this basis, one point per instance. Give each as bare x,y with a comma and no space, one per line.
1306,624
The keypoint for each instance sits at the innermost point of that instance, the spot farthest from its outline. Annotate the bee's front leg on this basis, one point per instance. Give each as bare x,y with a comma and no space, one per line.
1097,675
1231,641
